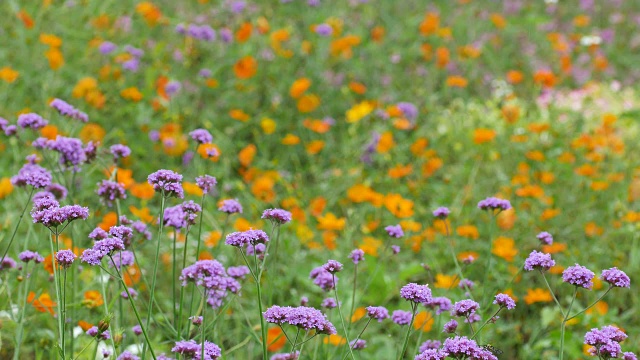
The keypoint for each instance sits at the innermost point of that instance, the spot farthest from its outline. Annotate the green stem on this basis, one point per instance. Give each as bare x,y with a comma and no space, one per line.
184,264
58,296
344,327
16,354
358,337
593,304
85,348
106,310
135,310
564,323
173,280
155,273
485,323
15,229
414,307
204,324
551,291
353,294
263,326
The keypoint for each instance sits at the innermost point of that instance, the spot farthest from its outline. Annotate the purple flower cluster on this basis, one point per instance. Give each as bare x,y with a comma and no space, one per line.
466,284
493,203
579,276
32,175
238,272
107,47
431,354
7,263
101,248
358,344
31,121
249,237
450,327
206,183
605,341
47,211
189,349
110,191
211,275
65,258
429,344
230,206
201,136
71,150
277,216
416,293
94,331
333,266
545,238
181,216
66,109
504,300
394,231
122,258
167,182
199,32
461,347
59,191
356,256
28,255
401,317
409,110
440,303
329,303
538,261
465,308
126,355
303,317
377,313
286,356
616,277
119,151
441,212
324,279
323,30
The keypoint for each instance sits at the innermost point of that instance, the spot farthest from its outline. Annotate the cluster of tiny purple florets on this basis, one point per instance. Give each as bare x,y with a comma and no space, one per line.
303,317
68,110
110,191
416,293
538,261
606,341
278,216
167,182
48,212
579,276
245,238
493,203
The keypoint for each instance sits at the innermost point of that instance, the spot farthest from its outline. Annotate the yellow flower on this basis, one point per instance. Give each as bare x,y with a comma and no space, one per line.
504,247
131,93
268,125
290,139
5,187
359,111
331,222
446,281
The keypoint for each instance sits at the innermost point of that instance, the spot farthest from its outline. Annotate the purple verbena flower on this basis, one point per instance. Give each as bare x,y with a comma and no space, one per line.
119,151
333,266
616,277
277,216
110,191
450,327
401,317
538,261
493,203
394,231
230,206
545,238
416,293
579,276
201,136
244,238
167,182
65,258
504,300
441,212
206,183
464,308
356,256
28,255
32,175
32,121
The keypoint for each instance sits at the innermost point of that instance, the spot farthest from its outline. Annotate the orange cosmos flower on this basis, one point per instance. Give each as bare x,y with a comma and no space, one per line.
246,67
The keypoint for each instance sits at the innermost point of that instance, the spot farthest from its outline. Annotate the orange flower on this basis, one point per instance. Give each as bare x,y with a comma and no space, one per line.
244,33
50,40
290,139
430,24
150,12
544,78
446,281
498,21
457,81
246,67
92,132
315,147
400,171
204,148
335,340
49,131
317,206
262,188
131,275
504,247
385,143
468,231
482,136
6,187
84,325
109,220
431,166
398,206
423,321
8,74
514,77
43,303
25,18
357,87
581,21
442,57
192,188
143,191
554,248
308,103
506,219
143,213
299,87
331,222
537,295
55,58
275,339
92,299
510,113
591,229
247,154
358,314
377,33
131,93
370,246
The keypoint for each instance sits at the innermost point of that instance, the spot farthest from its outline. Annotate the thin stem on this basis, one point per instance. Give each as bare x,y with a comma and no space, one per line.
85,348
22,312
552,294
263,326
564,322
155,273
15,229
353,294
593,304
485,323
173,280
63,290
414,308
358,337
344,327
184,264
204,324
285,335
106,309
135,310
57,286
